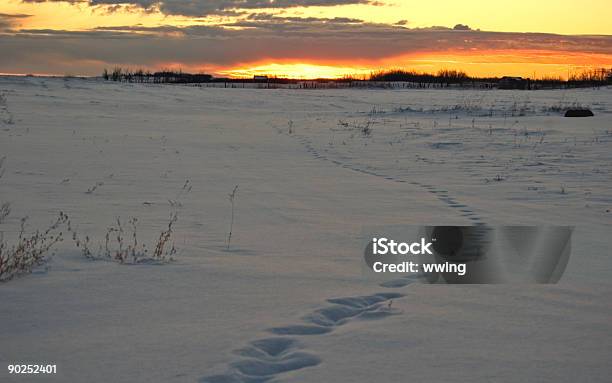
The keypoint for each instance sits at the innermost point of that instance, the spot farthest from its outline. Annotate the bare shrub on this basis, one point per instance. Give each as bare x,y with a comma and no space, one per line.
5,111
563,106
232,197
5,207
177,201
290,127
30,250
365,127
5,211
122,245
94,187
162,253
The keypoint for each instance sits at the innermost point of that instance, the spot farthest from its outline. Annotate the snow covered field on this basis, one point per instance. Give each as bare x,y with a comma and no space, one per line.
287,302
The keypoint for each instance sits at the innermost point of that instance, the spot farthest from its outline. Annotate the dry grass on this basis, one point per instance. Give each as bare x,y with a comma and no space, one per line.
121,244
30,250
232,198
5,207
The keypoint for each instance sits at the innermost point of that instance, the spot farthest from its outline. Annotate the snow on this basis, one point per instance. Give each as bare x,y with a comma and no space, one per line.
288,301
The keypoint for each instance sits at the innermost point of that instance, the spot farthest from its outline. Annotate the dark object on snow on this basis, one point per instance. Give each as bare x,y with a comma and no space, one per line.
578,113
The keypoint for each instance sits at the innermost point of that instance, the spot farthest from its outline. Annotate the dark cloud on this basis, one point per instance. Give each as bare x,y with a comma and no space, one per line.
210,7
279,19
14,16
204,7
262,22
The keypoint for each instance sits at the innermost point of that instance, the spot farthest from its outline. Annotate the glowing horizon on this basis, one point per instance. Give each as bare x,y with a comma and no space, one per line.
529,64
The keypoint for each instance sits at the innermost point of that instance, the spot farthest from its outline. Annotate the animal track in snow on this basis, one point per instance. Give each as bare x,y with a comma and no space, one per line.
441,194
263,360
342,310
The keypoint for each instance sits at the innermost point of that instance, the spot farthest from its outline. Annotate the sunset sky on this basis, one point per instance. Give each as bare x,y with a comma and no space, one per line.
305,38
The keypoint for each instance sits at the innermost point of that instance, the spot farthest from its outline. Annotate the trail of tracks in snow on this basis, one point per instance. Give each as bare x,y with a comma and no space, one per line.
265,359
441,193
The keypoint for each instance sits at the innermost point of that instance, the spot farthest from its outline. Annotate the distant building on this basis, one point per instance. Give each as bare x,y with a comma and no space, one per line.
260,78
508,82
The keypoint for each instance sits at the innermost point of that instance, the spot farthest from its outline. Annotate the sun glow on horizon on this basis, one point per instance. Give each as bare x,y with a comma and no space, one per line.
302,71
493,63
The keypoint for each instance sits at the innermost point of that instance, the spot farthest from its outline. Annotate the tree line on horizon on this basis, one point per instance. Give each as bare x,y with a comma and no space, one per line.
446,77
442,78
146,76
